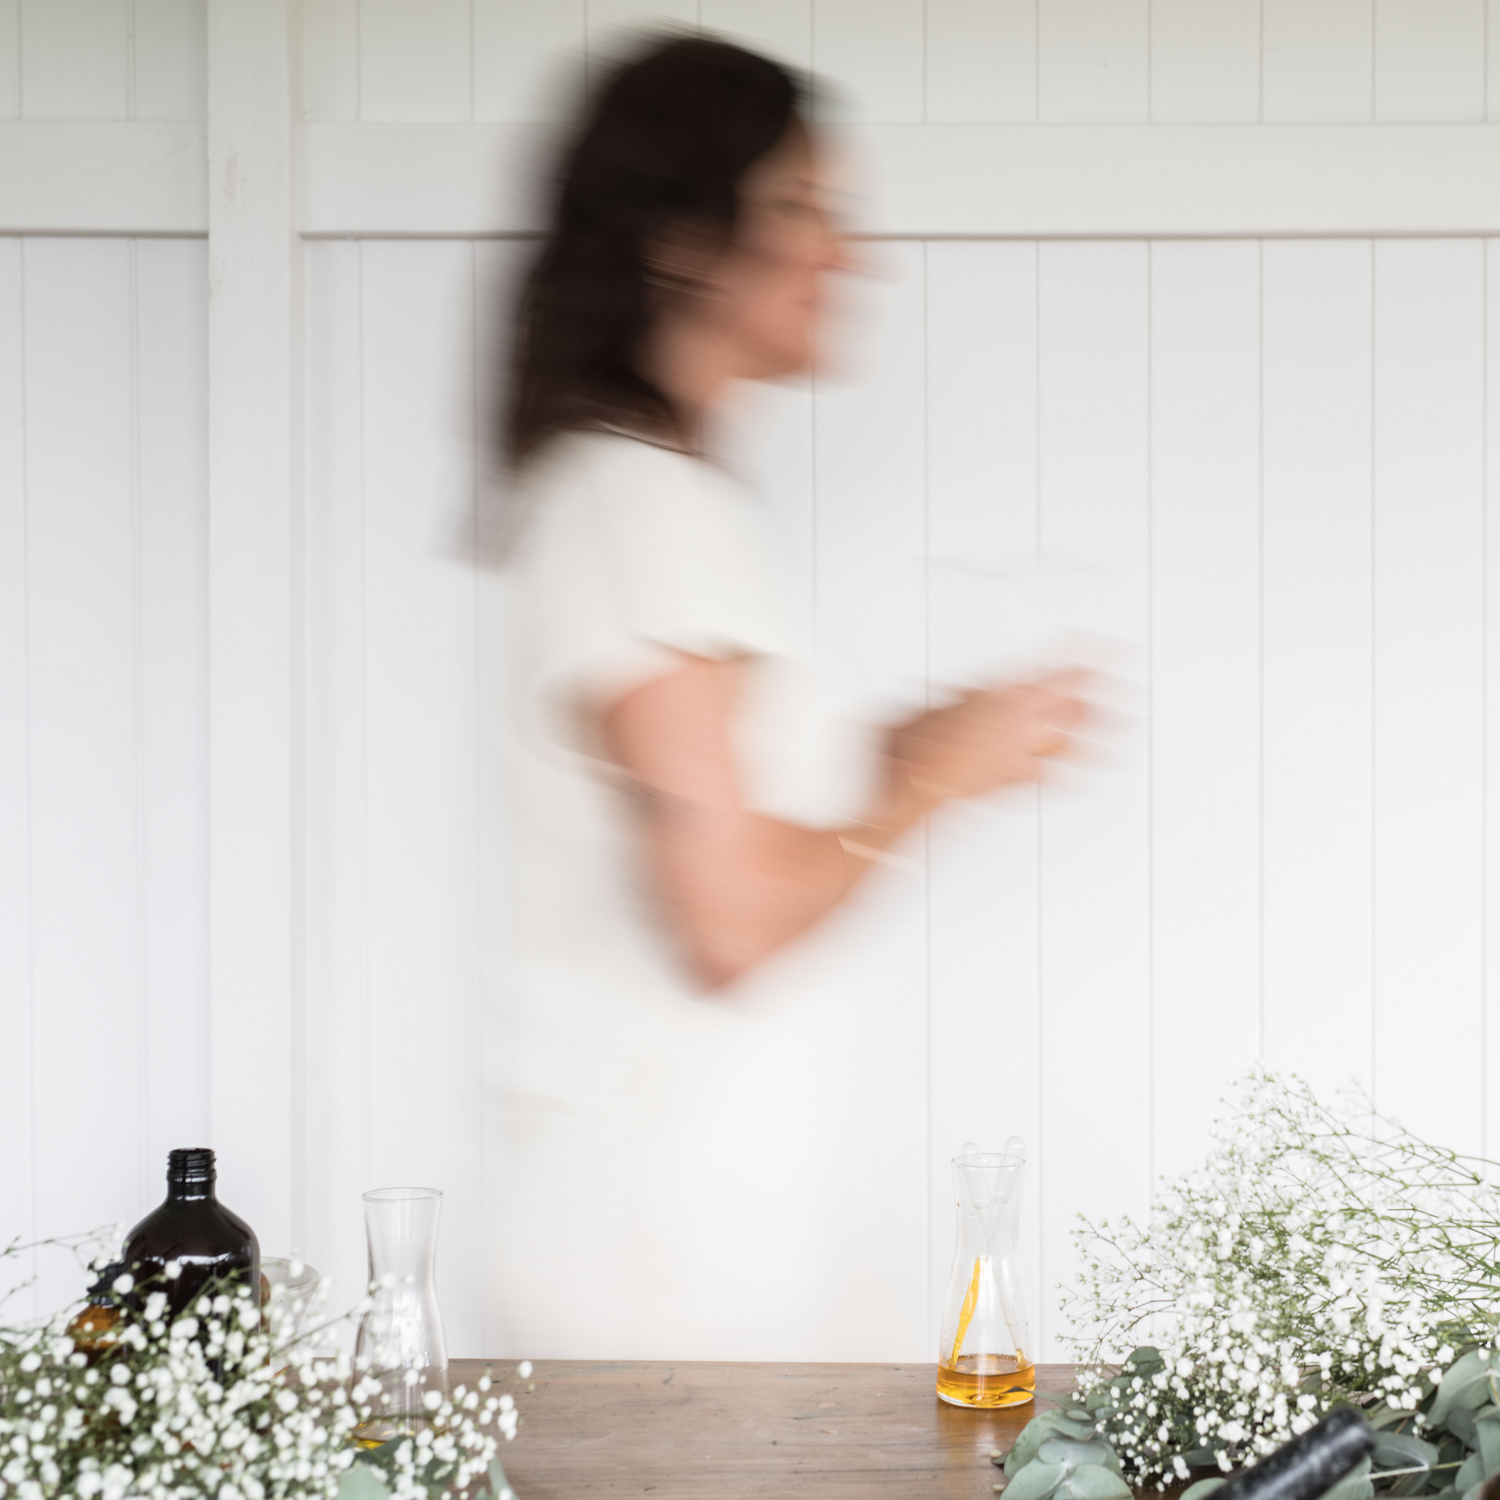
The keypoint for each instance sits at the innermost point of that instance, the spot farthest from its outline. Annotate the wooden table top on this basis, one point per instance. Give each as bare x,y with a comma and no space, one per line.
701,1431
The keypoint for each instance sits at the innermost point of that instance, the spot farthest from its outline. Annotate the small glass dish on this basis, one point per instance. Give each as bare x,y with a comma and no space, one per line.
289,1286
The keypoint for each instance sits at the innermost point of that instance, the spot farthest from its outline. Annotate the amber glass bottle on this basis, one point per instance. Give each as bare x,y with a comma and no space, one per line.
196,1231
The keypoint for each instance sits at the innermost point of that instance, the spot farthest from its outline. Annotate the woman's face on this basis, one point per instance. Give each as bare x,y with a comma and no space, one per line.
764,296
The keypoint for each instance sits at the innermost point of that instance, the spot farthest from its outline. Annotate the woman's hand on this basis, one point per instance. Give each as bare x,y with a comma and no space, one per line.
989,738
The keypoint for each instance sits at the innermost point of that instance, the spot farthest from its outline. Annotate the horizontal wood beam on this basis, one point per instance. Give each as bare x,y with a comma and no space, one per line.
103,177
917,181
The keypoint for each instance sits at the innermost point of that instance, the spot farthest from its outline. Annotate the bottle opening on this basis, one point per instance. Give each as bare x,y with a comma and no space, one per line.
190,1166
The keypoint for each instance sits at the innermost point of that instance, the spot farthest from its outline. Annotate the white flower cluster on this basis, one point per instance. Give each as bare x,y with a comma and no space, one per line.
214,1404
1310,1259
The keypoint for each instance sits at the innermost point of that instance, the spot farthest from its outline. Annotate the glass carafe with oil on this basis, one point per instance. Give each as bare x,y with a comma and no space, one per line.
984,1358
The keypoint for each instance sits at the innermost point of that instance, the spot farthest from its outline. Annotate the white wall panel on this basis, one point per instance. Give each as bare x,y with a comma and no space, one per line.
421,750
1318,660
10,59
1429,60
169,56
1318,61
1276,452
330,59
981,61
75,59
1094,851
1094,61
84,730
1491,808
414,60
784,28
528,57
1205,60
874,51
983,1079
1204,720
340,1040
17,1125
1428,651
171,308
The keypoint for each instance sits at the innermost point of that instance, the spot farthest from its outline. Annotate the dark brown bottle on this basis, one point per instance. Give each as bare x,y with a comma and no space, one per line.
196,1231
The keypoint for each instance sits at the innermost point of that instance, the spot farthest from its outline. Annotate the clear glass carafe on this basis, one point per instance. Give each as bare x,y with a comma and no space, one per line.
400,1346
983,1359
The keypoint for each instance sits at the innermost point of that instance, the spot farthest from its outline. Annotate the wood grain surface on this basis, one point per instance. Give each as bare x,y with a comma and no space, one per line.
696,1431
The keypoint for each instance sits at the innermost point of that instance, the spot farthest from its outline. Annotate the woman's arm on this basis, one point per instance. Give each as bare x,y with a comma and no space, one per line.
736,885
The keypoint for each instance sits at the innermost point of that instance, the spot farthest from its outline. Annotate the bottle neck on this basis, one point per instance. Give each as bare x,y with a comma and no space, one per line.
190,1190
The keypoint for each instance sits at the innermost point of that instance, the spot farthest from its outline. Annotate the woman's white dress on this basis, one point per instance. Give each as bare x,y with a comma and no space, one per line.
676,1175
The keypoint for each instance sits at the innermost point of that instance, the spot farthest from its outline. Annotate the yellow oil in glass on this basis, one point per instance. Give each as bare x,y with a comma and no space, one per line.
987,1380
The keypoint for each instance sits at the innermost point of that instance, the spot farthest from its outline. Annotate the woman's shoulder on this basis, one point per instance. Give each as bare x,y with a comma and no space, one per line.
613,464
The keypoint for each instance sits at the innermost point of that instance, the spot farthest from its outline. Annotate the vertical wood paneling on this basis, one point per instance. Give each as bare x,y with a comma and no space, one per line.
1093,61
872,49
421,744
1428,647
1205,61
172,516
1317,660
1205,685
330,59
414,60
340,1039
981,61
75,59
1491,807
83,671
1429,60
870,526
982,863
17,1123
783,28
527,57
1318,61
1094,857
871,611
170,59
10,59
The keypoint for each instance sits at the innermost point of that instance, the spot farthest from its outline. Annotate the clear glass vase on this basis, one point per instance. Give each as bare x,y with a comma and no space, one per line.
983,1358
400,1354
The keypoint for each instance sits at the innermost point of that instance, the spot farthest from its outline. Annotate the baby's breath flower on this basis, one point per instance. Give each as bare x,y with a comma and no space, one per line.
1312,1257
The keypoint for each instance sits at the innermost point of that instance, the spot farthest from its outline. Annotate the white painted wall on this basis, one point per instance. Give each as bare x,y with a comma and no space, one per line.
1277,446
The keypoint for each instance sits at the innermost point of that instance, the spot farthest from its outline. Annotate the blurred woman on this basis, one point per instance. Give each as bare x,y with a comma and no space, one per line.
682,1109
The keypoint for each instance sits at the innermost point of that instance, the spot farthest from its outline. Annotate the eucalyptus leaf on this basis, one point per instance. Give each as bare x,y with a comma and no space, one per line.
1101,1396
1470,1472
1461,1424
499,1486
1050,1424
1355,1485
1074,1454
1400,1450
1465,1384
1472,1493
1202,1487
1488,1427
1145,1360
1092,1482
1036,1481
361,1482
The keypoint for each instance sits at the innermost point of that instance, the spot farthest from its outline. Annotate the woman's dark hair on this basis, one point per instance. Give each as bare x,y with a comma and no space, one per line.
663,147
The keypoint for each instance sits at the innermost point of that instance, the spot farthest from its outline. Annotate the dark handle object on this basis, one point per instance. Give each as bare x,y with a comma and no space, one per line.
1308,1465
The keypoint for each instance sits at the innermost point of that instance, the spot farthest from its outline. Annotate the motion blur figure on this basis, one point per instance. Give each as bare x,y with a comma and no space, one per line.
689,1150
